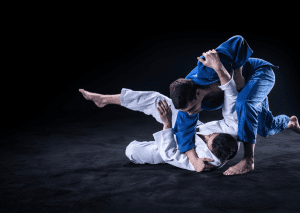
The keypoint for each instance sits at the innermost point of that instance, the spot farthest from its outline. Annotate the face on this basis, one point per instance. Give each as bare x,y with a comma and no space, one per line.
208,139
194,106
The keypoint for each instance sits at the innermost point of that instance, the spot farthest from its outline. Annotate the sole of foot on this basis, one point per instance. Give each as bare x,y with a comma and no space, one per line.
98,99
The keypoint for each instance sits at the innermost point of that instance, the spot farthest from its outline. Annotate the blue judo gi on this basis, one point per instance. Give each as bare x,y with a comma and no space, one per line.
252,102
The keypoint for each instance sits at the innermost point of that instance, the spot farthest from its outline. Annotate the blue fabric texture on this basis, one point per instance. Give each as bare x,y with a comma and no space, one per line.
233,53
251,101
268,124
184,130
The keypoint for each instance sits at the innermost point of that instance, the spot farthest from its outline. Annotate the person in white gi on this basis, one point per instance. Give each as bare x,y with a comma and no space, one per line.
164,148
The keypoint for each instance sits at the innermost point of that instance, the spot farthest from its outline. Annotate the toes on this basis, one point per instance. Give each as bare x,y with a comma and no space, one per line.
228,171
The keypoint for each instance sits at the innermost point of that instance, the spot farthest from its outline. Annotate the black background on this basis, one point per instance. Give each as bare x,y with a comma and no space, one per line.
60,153
52,58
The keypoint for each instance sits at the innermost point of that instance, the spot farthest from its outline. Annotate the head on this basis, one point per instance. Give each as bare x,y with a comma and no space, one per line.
186,95
223,146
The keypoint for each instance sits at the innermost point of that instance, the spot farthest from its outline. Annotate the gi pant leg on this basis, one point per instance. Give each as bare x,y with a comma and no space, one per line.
143,152
146,102
268,124
250,102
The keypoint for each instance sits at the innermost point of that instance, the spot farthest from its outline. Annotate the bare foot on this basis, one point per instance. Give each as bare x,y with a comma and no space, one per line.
245,165
294,124
98,99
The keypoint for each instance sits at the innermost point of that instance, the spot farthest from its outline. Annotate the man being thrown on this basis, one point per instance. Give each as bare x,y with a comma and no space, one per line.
254,79
214,141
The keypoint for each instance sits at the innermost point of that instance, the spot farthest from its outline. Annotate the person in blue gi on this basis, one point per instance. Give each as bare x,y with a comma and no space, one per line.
199,91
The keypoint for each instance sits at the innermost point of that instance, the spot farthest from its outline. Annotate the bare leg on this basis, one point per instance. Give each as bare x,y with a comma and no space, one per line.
294,124
247,162
101,100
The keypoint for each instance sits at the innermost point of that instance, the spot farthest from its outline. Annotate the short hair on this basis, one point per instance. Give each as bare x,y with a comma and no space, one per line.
183,91
225,146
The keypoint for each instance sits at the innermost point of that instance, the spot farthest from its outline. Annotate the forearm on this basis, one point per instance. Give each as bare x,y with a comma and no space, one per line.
191,155
239,79
199,164
224,76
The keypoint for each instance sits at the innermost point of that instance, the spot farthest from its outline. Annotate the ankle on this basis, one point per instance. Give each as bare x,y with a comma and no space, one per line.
105,99
249,160
111,99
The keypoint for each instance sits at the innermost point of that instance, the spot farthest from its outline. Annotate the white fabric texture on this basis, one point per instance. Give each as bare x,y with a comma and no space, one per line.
164,149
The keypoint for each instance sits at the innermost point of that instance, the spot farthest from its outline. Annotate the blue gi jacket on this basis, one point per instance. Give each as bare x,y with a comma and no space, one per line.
233,53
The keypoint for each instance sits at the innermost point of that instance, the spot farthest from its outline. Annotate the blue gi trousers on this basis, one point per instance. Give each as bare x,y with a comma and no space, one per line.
253,109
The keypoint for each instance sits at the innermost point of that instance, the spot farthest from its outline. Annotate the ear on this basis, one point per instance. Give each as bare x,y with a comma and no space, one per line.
198,93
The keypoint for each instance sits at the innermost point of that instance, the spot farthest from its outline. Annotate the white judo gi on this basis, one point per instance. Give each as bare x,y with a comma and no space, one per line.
164,149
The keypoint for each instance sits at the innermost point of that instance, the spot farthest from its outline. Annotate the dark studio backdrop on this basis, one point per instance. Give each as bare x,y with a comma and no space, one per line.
54,151
57,60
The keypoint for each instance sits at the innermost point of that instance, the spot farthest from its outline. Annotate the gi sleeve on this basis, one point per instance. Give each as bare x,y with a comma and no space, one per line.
233,54
229,107
168,151
235,51
184,130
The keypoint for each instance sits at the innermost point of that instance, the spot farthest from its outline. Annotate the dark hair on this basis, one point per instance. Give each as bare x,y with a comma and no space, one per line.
183,91
225,146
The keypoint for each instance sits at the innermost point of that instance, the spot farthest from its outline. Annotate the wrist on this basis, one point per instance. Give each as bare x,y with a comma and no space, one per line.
167,125
218,67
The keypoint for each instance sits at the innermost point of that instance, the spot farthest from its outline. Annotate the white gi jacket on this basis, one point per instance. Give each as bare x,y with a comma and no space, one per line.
165,149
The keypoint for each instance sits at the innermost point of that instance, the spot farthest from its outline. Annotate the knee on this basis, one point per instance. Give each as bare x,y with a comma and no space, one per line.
130,151
246,104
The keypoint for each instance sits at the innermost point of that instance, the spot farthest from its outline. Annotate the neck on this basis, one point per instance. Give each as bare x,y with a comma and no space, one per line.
213,92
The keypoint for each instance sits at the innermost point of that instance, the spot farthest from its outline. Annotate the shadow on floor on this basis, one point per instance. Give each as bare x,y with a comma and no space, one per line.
75,162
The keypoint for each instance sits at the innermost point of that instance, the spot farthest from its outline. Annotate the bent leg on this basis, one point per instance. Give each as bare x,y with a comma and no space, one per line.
270,125
143,152
249,105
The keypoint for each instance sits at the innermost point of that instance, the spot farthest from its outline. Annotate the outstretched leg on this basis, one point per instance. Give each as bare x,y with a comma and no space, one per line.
101,100
143,101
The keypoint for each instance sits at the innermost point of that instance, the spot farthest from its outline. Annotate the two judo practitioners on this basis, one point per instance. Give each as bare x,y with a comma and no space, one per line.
213,143
254,80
